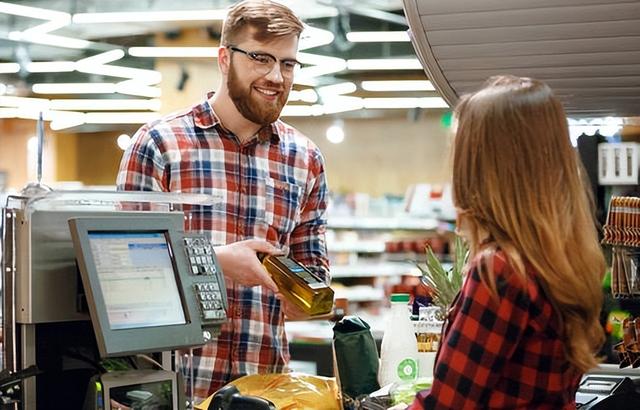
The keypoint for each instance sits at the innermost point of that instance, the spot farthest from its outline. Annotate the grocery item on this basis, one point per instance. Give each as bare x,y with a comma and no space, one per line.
399,350
298,284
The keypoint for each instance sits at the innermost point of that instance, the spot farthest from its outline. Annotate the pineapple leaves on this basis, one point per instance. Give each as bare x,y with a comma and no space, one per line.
445,284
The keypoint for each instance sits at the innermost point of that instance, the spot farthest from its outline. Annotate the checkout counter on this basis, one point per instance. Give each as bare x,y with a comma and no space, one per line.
92,280
96,278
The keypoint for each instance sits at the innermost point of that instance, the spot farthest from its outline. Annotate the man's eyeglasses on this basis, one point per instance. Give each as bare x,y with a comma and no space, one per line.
263,63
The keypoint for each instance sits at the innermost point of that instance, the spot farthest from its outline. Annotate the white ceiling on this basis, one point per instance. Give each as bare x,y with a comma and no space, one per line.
588,51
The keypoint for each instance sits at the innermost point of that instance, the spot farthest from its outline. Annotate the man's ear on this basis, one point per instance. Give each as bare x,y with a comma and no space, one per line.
224,59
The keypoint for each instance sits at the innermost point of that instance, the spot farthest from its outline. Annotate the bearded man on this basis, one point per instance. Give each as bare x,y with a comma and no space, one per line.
269,179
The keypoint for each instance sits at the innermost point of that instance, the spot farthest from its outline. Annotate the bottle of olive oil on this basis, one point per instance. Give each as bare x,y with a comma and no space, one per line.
298,284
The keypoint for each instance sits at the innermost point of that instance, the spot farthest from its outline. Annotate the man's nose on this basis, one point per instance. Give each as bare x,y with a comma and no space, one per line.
275,74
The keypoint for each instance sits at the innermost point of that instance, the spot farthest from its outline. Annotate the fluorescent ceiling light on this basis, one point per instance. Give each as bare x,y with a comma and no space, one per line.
127,87
337,89
399,85
137,88
74,88
8,113
51,67
105,104
3,88
377,36
120,117
319,65
314,37
307,95
9,68
311,73
148,76
338,104
148,16
384,64
424,102
49,40
302,110
341,103
205,52
9,101
33,12
103,58
58,124
317,59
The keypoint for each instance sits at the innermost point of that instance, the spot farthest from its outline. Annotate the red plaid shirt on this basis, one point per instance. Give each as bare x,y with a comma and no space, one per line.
504,353
272,187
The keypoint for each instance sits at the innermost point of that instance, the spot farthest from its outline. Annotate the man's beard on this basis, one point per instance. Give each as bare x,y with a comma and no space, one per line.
252,108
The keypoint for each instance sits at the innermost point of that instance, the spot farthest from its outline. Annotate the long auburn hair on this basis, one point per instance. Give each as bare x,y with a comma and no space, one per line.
517,179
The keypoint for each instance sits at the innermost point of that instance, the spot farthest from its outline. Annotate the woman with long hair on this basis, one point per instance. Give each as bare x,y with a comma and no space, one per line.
525,325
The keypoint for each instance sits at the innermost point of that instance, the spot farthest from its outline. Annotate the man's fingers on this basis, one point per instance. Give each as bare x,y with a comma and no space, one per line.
268,282
263,246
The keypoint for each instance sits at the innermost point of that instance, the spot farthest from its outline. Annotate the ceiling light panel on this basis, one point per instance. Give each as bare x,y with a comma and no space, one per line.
105,104
337,89
33,12
384,64
49,40
51,67
148,16
74,88
398,85
175,52
9,68
378,36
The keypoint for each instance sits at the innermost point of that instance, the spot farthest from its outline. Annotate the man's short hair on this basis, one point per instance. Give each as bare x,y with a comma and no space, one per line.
269,19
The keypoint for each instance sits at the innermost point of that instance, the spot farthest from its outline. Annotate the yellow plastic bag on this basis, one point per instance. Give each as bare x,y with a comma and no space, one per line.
289,391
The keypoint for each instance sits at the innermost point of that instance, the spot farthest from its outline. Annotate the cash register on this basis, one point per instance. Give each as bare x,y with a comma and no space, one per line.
106,278
609,388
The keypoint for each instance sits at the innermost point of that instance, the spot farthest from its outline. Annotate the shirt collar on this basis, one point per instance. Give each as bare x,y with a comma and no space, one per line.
205,117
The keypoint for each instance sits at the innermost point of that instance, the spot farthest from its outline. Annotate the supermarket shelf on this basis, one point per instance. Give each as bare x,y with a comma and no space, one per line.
356,246
360,294
374,270
399,223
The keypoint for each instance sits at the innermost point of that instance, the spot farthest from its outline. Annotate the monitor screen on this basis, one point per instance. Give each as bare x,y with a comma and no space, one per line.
137,278
141,290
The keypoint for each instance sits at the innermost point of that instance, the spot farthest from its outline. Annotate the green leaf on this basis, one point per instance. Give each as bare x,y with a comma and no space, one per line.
445,285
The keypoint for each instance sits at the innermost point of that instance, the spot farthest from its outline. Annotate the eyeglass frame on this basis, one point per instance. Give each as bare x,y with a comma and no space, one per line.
254,58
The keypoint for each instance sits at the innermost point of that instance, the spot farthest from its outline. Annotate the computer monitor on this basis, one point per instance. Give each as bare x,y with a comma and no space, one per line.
142,292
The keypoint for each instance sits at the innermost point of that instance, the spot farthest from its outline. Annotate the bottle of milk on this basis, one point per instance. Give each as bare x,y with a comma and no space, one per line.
399,351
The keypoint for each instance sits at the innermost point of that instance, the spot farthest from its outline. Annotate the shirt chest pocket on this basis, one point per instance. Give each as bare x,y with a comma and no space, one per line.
281,205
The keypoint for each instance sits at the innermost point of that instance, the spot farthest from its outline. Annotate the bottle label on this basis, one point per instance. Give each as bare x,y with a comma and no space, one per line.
407,369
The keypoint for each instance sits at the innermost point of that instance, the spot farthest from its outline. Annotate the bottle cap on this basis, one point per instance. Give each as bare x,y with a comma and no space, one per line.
400,297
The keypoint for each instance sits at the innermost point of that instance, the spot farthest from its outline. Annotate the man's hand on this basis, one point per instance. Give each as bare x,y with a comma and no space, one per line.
240,263
291,311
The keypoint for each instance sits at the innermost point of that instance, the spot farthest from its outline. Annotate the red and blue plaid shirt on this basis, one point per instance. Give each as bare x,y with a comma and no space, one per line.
503,352
271,187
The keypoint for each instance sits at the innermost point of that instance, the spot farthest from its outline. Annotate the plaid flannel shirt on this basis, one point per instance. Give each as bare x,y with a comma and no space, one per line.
501,353
272,187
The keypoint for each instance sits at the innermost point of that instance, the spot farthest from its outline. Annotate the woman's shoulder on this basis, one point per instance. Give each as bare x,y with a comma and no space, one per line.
504,268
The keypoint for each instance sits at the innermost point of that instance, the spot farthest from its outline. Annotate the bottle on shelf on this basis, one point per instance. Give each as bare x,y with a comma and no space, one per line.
399,351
